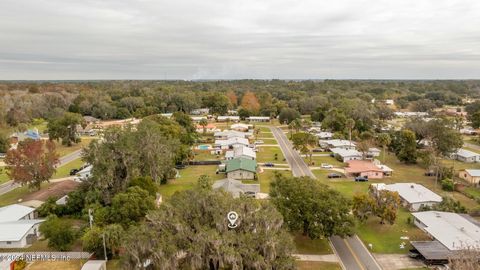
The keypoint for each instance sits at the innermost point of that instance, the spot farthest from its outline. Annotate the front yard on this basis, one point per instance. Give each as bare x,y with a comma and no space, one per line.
267,176
267,154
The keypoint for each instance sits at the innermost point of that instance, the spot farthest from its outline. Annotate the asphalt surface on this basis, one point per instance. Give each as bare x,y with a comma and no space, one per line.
10,185
297,164
353,255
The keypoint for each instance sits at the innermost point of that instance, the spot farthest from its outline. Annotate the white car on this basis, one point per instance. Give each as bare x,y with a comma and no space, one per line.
326,166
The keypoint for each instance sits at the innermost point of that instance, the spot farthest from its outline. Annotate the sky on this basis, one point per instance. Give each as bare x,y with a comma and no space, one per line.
239,39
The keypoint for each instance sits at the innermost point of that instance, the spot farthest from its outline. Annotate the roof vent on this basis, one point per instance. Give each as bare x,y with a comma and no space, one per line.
437,214
412,186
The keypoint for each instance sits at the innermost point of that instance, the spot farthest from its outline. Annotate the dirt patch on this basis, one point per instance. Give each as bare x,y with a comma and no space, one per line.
56,190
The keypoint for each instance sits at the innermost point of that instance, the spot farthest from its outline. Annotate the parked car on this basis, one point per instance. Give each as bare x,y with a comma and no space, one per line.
334,175
326,166
75,171
361,179
258,142
269,164
430,173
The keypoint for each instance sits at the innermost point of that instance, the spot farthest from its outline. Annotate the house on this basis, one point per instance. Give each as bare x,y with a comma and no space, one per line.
198,118
470,175
324,135
389,102
225,118
209,128
346,154
201,111
90,119
240,127
468,131
241,169
466,156
373,152
414,196
32,134
236,187
167,115
363,168
241,152
451,232
410,114
84,174
258,119
95,265
18,226
87,131
227,134
336,143
231,143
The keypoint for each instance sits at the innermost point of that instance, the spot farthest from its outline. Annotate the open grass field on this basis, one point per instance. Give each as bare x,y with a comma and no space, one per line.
63,150
267,176
16,194
188,178
302,265
64,171
385,238
205,155
3,175
305,245
267,154
268,140
317,161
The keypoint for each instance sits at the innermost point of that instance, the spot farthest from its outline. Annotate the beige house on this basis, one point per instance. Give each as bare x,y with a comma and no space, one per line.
471,176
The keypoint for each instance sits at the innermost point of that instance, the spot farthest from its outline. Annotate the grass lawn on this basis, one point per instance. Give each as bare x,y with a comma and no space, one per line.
317,161
267,176
16,194
63,150
3,175
306,245
265,134
205,155
303,265
188,178
346,186
64,171
57,265
385,238
267,154
268,140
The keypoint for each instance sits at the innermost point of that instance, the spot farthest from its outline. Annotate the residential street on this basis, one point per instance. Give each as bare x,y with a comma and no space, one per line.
9,186
298,165
352,253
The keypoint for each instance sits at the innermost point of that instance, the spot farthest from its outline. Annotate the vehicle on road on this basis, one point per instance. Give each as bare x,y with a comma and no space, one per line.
269,164
326,166
361,179
334,175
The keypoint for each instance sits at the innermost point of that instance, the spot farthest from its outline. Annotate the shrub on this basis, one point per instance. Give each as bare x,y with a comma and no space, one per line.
448,185
59,233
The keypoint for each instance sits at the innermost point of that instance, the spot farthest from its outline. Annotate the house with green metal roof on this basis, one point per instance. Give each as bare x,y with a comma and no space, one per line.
241,168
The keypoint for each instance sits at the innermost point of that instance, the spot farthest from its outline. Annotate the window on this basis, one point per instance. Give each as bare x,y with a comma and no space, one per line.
9,243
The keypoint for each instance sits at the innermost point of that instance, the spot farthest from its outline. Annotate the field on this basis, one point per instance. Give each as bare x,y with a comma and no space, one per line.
64,171
205,155
305,245
317,161
267,154
16,194
267,176
188,178
63,150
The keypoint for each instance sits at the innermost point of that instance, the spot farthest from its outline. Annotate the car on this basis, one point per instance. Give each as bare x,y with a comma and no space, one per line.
361,179
326,166
269,164
258,142
430,173
75,171
334,175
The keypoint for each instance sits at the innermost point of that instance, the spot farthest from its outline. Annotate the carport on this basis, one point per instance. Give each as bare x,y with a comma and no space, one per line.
433,252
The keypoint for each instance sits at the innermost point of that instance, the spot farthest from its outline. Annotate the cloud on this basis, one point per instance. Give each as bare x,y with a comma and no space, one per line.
211,39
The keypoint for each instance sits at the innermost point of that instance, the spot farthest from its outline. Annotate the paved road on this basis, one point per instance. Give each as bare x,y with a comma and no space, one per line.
352,253
9,185
298,165
473,146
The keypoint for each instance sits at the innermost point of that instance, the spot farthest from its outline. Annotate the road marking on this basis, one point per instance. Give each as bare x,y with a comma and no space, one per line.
369,253
335,251
301,168
288,149
353,253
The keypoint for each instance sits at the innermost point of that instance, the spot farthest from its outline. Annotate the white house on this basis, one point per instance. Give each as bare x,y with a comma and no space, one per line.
454,231
227,134
84,174
18,226
373,152
225,118
240,127
198,118
389,101
324,135
413,196
241,152
201,111
336,143
258,119
466,156
231,143
347,154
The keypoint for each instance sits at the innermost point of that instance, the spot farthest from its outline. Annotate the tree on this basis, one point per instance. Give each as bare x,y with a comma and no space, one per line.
217,103
204,123
363,206
311,207
384,140
350,124
4,142
65,128
250,102
190,232
304,142
59,233
32,163
130,206
145,183
386,205
287,115
92,239
466,258
204,182
232,97
406,146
